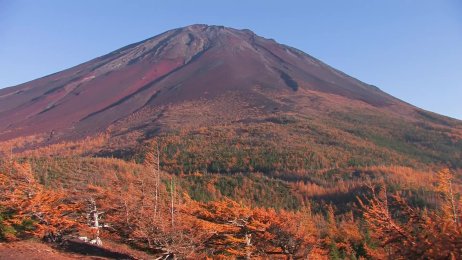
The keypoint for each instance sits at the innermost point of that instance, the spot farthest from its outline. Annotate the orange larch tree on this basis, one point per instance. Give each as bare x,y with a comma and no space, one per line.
33,210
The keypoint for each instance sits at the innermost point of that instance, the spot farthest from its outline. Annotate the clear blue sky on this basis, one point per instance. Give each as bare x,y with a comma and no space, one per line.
410,49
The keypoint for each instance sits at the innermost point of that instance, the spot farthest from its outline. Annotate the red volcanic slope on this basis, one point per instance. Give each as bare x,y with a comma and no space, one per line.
190,63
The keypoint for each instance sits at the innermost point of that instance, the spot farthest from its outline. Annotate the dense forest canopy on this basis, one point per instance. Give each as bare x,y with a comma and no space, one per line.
354,212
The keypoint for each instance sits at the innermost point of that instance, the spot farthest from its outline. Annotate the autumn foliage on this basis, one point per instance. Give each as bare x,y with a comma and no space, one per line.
166,216
30,210
407,232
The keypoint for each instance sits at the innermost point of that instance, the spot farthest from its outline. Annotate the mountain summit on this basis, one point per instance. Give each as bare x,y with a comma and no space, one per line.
189,63
201,81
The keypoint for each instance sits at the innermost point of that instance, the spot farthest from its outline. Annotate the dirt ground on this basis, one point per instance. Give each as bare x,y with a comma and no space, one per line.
32,250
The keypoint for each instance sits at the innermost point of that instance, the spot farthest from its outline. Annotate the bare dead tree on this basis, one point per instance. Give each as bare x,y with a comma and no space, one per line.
157,177
172,199
94,218
11,159
453,203
152,162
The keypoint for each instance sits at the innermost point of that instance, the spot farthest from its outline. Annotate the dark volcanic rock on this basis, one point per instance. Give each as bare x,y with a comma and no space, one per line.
191,63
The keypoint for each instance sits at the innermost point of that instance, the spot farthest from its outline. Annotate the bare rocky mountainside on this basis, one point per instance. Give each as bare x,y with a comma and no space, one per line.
225,100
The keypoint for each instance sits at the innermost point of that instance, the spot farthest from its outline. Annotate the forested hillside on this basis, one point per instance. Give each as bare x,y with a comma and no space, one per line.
361,212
